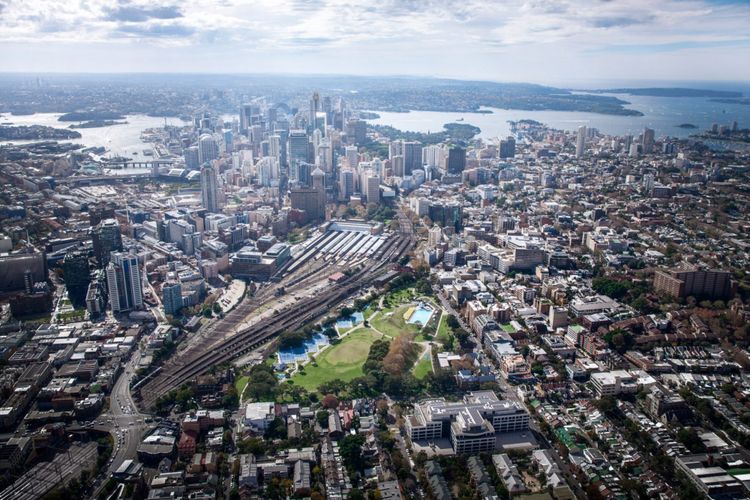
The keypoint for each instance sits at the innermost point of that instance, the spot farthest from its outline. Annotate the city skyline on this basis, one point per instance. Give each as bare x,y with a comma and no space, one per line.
512,41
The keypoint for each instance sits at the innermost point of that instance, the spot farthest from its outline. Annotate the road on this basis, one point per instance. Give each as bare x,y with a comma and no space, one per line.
128,424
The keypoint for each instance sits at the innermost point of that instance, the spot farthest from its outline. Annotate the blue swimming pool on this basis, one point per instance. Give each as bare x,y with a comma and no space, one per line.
421,315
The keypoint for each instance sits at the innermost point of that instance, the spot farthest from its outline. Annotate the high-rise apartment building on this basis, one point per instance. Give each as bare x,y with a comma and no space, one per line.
124,282
171,296
692,281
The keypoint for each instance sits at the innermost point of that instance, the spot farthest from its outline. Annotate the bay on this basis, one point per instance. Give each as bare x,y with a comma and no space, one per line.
663,114
118,140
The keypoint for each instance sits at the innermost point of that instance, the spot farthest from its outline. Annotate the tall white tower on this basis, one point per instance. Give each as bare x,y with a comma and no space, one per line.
581,141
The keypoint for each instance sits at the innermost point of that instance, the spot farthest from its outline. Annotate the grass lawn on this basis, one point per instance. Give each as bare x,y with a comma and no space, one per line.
400,297
370,310
443,330
391,322
240,383
343,361
423,366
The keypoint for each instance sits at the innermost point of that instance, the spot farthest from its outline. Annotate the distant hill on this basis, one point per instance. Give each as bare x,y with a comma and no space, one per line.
671,92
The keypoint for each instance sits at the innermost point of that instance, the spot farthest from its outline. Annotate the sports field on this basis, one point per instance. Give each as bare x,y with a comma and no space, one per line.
343,361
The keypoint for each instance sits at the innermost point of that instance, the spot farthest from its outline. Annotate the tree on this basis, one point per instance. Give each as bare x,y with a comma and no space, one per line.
610,287
262,384
277,429
400,355
256,446
335,386
350,448
690,438
452,321
330,401
322,418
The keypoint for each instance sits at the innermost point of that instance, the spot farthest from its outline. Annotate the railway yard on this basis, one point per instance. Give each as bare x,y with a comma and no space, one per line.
308,294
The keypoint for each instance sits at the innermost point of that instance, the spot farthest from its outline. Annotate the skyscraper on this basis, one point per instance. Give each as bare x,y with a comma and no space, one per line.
581,141
124,282
412,156
346,184
192,158
209,189
207,149
314,108
247,111
356,131
77,277
299,147
274,147
648,140
228,140
456,160
106,238
311,200
508,148
372,189
352,156
395,148
397,165
433,155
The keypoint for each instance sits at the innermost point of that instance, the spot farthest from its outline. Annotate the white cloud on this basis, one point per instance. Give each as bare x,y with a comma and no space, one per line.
476,38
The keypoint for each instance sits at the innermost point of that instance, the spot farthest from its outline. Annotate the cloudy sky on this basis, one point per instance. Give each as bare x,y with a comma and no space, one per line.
545,41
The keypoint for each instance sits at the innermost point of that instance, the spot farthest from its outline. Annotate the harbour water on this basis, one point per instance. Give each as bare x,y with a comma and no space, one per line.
119,140
663,114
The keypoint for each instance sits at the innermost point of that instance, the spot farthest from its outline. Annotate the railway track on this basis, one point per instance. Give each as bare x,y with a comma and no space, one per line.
182,369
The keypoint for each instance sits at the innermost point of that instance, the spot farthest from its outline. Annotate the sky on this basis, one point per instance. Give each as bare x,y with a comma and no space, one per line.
540,41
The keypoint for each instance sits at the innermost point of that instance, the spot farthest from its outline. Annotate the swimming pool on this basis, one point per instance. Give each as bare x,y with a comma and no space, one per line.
421,315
